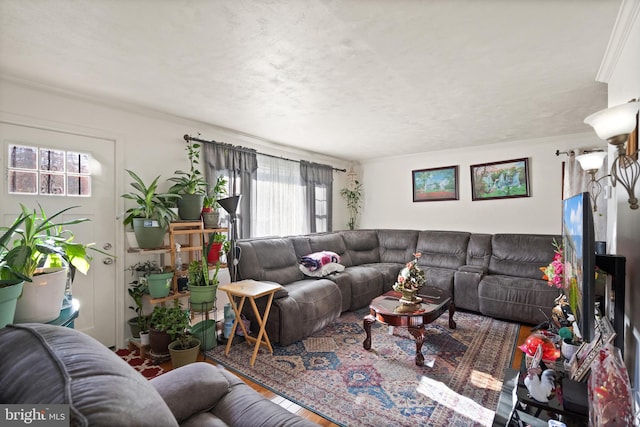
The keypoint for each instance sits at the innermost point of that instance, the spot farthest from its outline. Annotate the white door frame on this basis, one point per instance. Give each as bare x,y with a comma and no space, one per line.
119,244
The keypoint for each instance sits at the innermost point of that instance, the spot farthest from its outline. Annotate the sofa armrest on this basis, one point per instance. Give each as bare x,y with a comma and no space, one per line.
203,383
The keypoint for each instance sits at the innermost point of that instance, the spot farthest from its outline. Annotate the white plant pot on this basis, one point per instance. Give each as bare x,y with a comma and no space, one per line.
41,299
144,338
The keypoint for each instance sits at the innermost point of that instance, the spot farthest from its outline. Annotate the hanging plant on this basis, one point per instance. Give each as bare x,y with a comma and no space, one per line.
353,196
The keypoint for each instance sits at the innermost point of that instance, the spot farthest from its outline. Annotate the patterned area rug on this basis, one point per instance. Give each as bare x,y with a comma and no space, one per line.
143,365
331,374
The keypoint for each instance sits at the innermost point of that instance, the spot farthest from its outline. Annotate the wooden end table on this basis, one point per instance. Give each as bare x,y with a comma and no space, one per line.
435,301
251,289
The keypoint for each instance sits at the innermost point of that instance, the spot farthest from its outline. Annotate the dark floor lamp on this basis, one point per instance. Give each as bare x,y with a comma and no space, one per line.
230,204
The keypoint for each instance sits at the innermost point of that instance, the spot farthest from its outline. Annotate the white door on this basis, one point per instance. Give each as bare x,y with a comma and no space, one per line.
95,291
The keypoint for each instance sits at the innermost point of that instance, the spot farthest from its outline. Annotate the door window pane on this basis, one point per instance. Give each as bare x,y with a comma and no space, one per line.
21,157
51,160
52,184
23,182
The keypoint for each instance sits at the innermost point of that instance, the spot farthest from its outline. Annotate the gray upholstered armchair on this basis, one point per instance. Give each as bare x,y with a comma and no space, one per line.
56,365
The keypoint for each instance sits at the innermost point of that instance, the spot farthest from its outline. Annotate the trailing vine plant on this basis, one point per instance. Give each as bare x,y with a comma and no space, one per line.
353,196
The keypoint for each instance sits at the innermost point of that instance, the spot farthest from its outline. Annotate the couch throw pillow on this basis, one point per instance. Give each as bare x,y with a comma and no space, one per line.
325,270
316,260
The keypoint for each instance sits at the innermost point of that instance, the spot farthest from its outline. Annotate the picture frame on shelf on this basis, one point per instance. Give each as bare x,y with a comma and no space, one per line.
435,184
607,332
580,363
500,180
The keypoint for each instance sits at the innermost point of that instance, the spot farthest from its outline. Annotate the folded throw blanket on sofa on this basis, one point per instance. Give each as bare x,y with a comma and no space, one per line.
316,260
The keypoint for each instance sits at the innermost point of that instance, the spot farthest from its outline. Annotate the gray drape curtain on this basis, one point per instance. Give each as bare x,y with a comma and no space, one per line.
314,174
576,181
240,164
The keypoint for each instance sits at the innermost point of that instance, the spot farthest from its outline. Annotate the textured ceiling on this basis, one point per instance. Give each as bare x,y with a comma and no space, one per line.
355,79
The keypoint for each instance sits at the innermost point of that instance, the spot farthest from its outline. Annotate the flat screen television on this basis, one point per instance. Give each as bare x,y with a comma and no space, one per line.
578,238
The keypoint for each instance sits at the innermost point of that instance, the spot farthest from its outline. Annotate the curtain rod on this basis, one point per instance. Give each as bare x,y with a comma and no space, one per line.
248,150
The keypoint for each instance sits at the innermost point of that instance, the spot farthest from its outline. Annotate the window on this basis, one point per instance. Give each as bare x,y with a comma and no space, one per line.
321,203
48,171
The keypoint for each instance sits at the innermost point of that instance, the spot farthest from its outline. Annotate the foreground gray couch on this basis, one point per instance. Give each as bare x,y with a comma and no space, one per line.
496,275
44,364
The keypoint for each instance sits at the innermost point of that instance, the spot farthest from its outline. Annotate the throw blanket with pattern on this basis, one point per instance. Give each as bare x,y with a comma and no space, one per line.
316,260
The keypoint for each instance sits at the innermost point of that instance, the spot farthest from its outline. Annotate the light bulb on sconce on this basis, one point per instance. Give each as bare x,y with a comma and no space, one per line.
591,163
614,125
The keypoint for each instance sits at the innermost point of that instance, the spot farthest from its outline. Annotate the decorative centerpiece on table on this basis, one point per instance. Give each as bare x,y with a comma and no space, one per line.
410,280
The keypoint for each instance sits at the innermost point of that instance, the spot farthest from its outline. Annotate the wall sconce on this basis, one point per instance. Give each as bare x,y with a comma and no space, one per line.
591,163
614,125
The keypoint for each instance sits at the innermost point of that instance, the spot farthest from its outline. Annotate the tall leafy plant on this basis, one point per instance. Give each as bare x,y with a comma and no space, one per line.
353,196
191,182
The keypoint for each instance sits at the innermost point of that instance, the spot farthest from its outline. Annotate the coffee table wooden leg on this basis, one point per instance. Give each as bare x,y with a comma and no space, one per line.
452,310
418,333
366,324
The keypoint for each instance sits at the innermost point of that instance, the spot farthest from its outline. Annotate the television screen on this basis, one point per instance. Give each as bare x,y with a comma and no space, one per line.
578,240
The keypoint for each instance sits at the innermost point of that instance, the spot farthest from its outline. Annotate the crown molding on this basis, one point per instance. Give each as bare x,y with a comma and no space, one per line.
627,16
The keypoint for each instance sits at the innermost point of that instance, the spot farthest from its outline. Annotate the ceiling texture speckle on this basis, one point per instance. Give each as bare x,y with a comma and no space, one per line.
353,79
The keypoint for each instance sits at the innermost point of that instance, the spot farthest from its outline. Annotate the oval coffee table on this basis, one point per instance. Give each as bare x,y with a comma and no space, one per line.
384,308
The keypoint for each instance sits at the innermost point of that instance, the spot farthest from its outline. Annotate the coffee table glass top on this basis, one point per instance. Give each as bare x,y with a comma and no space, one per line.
433,299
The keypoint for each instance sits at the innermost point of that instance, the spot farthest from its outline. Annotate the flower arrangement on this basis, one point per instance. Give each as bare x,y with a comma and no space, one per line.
411,277
554,272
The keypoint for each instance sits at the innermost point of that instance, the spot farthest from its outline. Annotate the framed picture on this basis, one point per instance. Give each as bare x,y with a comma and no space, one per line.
435,184
607,333
585,355
500,180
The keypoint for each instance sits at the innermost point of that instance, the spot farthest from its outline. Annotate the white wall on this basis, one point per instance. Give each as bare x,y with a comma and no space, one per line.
624,223
148,142
388,200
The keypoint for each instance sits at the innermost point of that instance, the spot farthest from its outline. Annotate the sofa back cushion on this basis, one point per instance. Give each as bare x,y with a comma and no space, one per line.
48,364
330,242
479,250
521,255
272,259
362,246
397,246
443,249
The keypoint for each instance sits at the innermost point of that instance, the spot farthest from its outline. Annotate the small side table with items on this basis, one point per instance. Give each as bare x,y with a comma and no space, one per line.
250,289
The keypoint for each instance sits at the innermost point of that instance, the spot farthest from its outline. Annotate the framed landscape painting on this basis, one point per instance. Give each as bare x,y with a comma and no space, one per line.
435,184
500,180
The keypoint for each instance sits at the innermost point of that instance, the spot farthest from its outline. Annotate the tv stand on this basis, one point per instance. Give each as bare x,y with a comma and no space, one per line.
614,265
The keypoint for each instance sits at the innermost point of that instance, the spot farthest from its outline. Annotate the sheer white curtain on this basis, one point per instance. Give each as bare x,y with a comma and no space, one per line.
576,181
280,199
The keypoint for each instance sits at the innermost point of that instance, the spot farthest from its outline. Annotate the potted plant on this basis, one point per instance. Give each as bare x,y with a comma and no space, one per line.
353,196
11,282
139,323
168,324
202,288
190,185
210,213
42,250
184,347
150,217
159,282
218,245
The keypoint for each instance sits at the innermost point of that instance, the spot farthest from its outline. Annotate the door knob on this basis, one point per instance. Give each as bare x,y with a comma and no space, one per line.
107,261
107,246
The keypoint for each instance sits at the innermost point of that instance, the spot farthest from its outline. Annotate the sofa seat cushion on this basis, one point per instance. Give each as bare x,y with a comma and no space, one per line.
389,271
311,304
42,363
515,298
362,284
440,278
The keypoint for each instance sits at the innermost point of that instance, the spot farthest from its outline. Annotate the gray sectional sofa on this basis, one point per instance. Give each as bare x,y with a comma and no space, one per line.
496,275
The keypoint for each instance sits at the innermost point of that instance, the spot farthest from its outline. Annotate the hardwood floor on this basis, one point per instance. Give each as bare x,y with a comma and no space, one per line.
525,331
